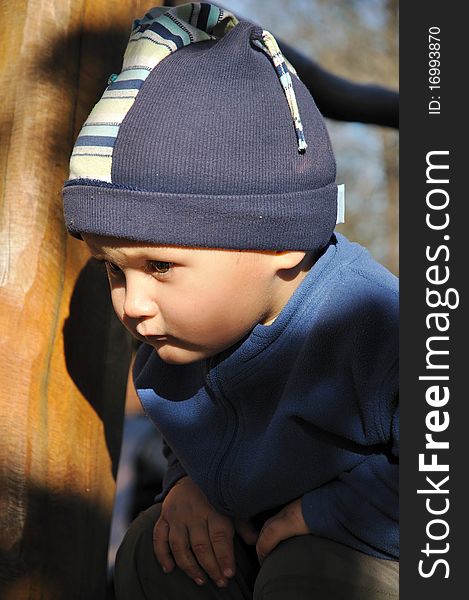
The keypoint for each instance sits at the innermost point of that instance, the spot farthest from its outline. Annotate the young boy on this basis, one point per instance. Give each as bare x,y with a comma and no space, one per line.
205,180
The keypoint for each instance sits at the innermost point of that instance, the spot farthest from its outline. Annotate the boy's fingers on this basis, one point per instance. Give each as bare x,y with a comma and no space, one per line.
221,536
274,531
202,548
286,524
182,553
161,545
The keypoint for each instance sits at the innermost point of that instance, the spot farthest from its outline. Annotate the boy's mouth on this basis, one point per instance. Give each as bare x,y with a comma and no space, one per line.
149,338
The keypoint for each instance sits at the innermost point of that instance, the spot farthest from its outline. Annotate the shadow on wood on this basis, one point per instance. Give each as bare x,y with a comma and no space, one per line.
97,351
64,356
51,560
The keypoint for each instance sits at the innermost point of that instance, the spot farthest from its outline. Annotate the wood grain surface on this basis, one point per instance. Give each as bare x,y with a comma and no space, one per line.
63,354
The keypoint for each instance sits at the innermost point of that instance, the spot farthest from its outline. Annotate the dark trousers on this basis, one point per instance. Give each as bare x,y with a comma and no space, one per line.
305,567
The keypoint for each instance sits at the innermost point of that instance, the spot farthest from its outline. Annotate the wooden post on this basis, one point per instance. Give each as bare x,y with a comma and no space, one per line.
63,354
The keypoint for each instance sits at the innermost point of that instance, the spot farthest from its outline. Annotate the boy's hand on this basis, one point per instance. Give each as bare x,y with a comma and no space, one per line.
193,535
285,524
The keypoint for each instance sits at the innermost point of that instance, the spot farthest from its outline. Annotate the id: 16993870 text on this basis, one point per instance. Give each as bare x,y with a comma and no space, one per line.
434,55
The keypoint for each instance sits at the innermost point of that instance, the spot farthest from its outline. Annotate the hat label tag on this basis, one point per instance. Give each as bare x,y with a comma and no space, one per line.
340,204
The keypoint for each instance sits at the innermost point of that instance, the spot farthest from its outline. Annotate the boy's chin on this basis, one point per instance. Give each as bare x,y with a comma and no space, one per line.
172,355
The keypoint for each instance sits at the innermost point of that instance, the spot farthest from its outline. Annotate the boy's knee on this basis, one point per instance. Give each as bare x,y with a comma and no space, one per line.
279,572
135,559
307,566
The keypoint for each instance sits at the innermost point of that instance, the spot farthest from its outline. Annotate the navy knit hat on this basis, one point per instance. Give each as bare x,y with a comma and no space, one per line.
206,144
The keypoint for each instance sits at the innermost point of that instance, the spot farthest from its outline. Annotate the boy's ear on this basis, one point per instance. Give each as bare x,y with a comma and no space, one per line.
289,259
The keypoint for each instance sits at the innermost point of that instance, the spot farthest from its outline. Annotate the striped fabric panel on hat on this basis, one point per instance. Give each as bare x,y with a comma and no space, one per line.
160,32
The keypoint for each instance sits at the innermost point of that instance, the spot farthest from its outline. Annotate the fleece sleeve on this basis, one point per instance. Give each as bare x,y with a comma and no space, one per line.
174,472
360,507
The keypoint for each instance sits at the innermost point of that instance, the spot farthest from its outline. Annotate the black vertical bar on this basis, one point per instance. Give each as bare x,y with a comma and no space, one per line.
433,272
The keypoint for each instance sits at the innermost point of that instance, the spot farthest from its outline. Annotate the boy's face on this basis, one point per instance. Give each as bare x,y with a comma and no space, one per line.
187,303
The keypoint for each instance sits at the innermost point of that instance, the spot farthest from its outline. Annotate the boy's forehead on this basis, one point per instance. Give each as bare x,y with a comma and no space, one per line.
103,246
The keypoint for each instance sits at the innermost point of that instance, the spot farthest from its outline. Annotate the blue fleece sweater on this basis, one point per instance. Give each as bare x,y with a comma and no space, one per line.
303,408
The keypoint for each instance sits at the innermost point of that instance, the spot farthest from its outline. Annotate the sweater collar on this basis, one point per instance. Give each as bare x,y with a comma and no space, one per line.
231,362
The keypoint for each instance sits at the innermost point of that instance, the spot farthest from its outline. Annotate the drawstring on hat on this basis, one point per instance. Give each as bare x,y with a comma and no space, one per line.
161,32
266,42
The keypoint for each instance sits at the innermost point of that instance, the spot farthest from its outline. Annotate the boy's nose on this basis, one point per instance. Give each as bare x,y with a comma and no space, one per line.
138,301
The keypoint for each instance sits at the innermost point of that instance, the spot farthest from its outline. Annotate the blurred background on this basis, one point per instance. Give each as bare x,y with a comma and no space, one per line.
358,40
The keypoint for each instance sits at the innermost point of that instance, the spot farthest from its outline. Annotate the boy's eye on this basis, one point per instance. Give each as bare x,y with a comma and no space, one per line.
159,266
